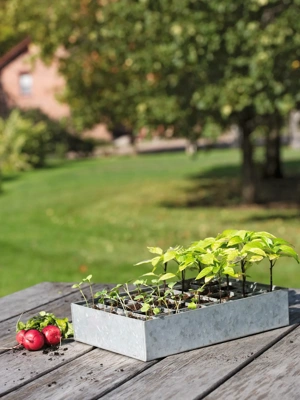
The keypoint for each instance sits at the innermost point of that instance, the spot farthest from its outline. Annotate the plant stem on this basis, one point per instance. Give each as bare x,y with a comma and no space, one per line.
199,266
182,281
227,282
92,294
271,275
244,277
165,271
82,294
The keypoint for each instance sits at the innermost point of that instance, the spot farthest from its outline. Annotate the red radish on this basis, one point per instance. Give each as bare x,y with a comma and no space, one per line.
33,340
52,335
20,336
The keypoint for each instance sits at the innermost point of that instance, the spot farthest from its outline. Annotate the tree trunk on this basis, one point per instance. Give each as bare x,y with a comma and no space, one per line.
272,166
248,167
3,102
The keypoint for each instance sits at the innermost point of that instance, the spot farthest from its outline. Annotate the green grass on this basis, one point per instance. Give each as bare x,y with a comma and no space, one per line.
98,216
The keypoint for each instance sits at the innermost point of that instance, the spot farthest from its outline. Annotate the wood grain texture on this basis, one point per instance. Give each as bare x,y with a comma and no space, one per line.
61,308
18,368
87,377
84,372
24,300
187,375
274,375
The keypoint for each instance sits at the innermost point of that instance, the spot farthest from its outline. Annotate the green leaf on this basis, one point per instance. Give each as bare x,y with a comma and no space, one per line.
254,248
289,252
263,235
146,307
207,258
156,310
149,274
208,242
20,326
218,243
155,250
230,271
44,319
255,259
272,257
192,305
169,255
155,261
87,279
142,262
231,254
235,240
204,272
184,266
42,313
242,234
209,278
166,276
281,241
75,286
228,233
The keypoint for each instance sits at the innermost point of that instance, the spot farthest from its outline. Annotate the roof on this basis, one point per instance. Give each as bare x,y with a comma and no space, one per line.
15,52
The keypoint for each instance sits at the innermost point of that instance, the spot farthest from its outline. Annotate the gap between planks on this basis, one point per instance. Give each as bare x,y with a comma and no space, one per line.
245,363
73,298
44,373
60,296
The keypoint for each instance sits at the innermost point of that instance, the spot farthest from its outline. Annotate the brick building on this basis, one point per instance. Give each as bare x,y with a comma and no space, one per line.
27,82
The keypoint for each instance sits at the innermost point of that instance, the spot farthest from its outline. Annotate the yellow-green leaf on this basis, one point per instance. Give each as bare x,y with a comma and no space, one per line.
166,276
204,272
207,258
155,250
255,258
169,255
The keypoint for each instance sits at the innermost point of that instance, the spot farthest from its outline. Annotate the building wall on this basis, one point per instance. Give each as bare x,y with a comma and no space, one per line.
47,84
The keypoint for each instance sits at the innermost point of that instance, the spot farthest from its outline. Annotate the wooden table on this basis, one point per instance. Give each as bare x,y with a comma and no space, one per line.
263,366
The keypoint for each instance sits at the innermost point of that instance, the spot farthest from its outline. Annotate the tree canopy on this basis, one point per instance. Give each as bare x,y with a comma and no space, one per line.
180,63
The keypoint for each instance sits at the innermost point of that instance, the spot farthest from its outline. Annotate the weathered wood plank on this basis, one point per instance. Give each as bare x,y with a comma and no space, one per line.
187,375
24,300
87,377
274,375
184,375
60,308
20,367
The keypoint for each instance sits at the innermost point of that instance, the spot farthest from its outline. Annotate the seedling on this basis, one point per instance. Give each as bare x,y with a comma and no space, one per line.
229,255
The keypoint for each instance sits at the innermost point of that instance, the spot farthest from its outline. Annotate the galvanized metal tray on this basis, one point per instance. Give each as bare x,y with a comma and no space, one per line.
170,334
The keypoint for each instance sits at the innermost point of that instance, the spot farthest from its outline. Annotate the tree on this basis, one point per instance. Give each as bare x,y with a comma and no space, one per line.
8,35
180,63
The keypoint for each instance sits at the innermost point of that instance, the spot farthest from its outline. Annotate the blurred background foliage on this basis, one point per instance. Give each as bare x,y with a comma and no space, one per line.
195,67
179,63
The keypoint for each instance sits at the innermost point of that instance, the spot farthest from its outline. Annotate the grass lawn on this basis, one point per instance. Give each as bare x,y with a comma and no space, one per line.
98,216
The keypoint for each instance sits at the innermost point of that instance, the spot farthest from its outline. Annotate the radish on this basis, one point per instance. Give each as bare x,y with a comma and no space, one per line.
52,335
20,336
33,340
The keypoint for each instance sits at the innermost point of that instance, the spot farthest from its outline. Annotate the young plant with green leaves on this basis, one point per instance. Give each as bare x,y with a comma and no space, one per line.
229,254
219,264
79,286
253,247
163,258
274,249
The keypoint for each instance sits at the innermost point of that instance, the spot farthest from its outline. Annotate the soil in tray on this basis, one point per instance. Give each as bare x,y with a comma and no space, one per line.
134,306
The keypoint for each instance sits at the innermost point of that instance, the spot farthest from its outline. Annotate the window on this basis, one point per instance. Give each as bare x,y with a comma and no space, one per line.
25,83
